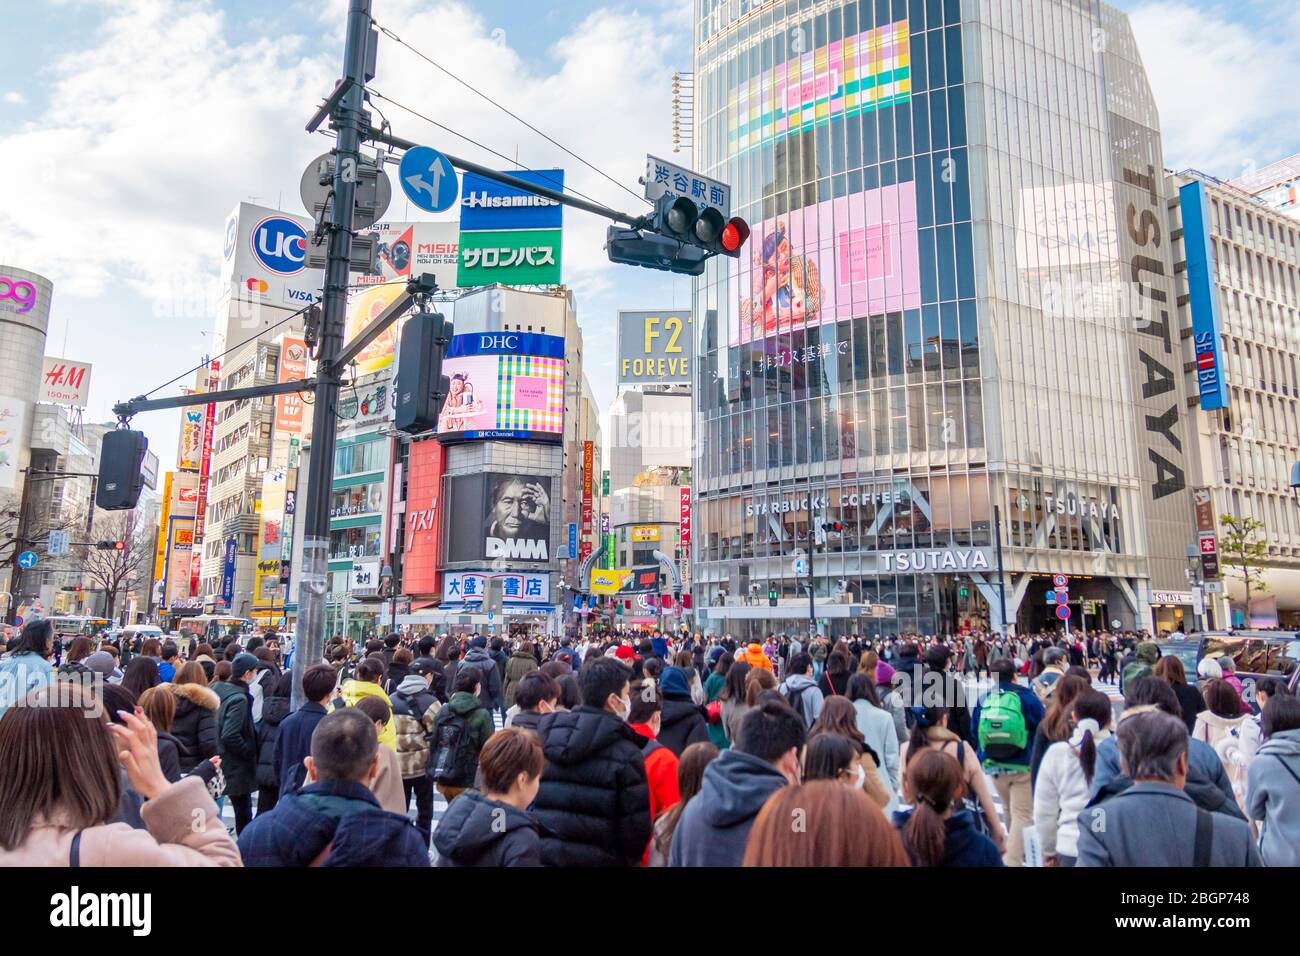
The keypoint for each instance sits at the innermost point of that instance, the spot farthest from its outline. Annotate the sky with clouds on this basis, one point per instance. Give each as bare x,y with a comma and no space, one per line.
128,130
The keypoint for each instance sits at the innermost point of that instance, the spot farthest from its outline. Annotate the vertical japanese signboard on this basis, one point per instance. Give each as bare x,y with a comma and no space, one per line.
684,522
205,467
588,465
1203,502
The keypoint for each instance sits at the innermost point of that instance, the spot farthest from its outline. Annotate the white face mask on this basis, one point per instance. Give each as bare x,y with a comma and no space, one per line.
862,777
624,708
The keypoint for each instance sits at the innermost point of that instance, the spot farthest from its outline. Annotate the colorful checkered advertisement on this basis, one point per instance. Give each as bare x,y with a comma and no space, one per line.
504,385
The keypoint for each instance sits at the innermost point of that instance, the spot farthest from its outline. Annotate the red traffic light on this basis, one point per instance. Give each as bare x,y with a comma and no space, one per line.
834,526
734,235
119,545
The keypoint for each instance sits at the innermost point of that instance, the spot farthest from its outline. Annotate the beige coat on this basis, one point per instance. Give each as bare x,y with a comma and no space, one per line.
387,787
171,838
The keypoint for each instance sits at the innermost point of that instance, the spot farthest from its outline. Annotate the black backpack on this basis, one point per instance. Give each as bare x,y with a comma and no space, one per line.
452,757
794,697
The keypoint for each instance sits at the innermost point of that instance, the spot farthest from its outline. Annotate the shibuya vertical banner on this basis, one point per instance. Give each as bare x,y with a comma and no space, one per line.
684,522
293,367
1203,297
588,465
205,467
510,235
841,258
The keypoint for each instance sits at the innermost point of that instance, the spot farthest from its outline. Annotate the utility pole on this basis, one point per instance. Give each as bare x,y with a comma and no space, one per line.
812,544
351,123
1002,581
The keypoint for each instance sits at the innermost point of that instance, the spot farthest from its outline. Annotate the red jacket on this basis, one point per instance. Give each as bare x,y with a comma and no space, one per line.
661,774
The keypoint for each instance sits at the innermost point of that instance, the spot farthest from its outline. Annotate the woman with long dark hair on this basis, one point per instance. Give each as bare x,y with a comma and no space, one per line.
835,679
1066,776
27,666
938,831
141,674
1170,670
1055,725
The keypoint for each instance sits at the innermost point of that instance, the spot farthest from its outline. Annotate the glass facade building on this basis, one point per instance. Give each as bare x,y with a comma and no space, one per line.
948,318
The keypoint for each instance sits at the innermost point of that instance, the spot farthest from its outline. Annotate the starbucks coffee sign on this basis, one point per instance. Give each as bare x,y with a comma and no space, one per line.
934,560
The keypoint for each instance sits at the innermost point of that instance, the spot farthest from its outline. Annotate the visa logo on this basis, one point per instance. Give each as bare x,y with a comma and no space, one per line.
300,295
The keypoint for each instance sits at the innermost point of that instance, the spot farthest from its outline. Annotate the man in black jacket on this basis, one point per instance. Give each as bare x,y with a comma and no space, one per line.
594,797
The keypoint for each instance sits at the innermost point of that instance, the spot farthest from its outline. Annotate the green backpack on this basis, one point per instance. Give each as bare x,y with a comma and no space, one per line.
1003,734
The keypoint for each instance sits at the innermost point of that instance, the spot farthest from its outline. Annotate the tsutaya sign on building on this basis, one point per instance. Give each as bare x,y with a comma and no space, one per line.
934,560
1072,505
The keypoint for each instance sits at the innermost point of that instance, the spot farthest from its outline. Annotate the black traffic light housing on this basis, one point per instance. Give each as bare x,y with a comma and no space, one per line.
833,526
110,545
680,237
634,248
419,385
678,217
121,457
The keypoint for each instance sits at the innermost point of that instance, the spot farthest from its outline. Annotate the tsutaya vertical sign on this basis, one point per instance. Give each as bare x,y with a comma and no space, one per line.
205,467
588,465
1155,366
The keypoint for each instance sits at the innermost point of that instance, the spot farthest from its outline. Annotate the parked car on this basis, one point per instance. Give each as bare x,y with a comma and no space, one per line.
1255,654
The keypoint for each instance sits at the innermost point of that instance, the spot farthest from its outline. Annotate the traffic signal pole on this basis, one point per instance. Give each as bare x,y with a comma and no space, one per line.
309,642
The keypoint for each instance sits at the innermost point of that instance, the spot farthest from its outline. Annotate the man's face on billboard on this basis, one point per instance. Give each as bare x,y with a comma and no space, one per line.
508,512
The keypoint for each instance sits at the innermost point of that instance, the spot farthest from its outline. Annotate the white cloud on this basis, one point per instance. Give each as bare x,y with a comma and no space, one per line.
169,117
15,98
1221,78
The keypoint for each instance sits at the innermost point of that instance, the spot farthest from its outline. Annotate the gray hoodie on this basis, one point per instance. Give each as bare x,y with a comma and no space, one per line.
804,691
1273,798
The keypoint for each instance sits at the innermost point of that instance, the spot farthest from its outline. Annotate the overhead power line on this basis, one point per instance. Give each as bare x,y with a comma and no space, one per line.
395,38
555,183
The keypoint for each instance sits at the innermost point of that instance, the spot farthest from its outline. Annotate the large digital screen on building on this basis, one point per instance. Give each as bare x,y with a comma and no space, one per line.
499,516
840,259
853,75
504,385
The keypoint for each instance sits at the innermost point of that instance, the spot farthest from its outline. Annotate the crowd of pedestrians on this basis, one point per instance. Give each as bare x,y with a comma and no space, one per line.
641,750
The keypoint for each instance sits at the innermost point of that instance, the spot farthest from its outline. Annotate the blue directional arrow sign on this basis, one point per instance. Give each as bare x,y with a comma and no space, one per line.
428,179
27,560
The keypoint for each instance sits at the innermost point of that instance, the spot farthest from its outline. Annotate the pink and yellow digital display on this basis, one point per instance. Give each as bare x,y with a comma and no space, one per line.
854,75
840,259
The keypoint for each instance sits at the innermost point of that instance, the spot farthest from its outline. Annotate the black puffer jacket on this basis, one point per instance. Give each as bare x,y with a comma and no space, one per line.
195,726
594,801
682,723
476,831
274,710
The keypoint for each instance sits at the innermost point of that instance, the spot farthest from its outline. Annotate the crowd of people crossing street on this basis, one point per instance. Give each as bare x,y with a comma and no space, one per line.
642,749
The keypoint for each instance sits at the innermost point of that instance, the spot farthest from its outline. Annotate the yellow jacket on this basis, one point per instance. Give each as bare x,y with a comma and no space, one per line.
353,690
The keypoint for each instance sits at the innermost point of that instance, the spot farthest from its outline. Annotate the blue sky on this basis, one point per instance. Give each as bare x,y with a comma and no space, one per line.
135,127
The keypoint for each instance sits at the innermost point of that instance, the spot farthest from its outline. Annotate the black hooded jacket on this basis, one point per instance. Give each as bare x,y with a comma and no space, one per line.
476,831
594,798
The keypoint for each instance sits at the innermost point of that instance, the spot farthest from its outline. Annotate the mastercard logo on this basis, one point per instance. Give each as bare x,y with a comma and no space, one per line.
256,285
